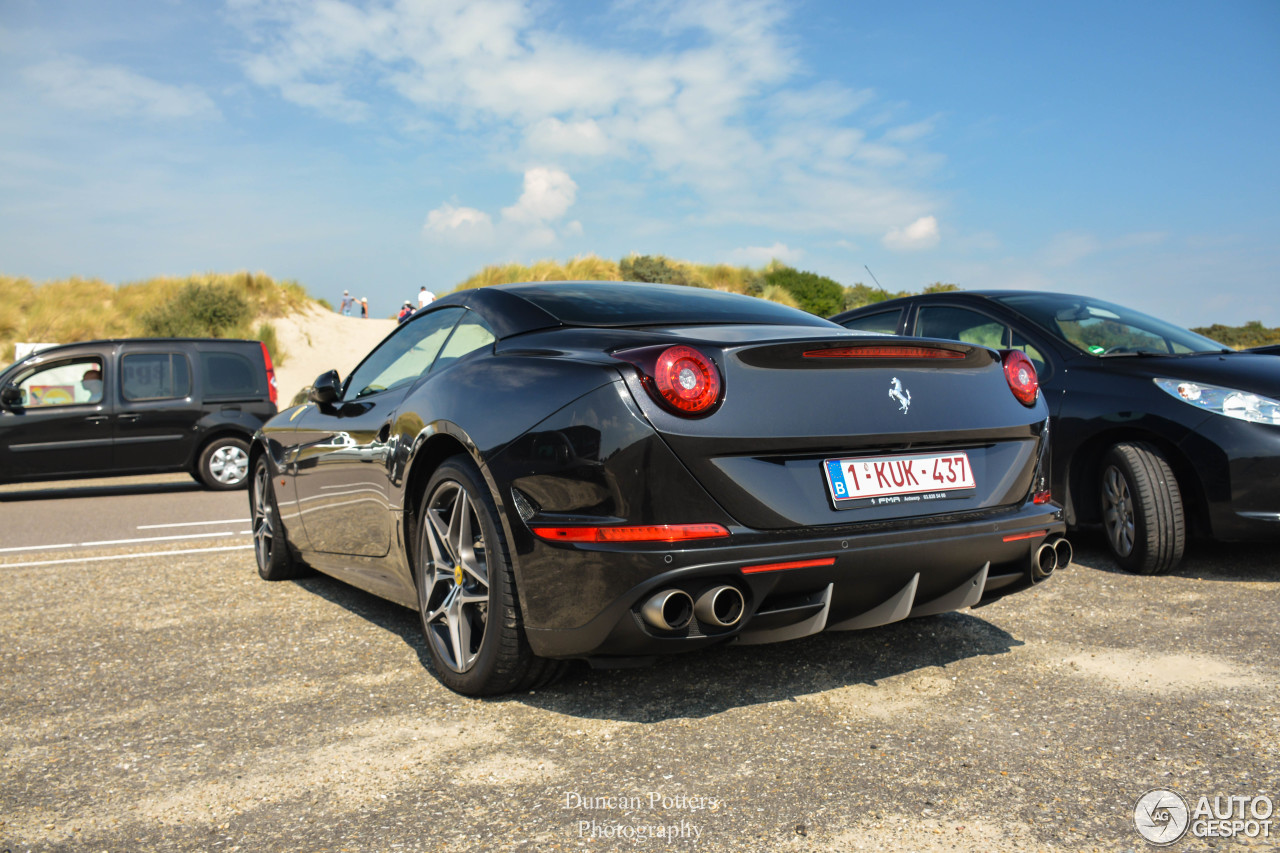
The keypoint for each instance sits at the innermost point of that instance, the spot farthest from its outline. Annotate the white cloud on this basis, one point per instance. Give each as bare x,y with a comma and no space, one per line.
460,224
530,222
116,92
760,255
686,108
921,234
548,195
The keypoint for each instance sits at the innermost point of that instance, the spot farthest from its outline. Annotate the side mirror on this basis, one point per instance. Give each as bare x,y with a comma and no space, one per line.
11,396
326,389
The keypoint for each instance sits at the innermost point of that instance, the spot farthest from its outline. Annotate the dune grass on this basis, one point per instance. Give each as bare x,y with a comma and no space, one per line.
78,309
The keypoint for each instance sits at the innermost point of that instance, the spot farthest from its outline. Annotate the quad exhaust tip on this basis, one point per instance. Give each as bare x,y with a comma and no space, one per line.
1062,548
669,610
721,606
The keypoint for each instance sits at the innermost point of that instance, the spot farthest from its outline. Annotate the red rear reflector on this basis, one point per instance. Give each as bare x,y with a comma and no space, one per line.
883,352
1042,497
641,533
782,567
271,374
1017,537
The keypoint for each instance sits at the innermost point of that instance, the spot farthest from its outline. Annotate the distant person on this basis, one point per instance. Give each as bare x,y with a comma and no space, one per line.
425,297
91,383
348,301
364,307
406,312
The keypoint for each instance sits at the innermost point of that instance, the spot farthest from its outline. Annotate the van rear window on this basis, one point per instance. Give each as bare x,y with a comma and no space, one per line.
154,376
229,375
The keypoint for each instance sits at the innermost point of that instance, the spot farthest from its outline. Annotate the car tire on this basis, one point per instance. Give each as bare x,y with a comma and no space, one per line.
224,464
1141,507
466,589
270,546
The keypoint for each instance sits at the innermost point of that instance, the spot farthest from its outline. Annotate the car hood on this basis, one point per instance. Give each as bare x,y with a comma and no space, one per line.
1242,371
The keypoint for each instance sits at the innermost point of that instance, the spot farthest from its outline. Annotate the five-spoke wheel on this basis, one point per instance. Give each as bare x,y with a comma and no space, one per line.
271,551
467,591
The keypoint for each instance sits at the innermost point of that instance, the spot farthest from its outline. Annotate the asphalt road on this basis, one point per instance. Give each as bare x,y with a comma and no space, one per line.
165,511
180,703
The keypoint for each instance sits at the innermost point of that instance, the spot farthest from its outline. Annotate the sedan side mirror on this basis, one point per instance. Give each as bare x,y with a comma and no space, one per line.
11,396
326,389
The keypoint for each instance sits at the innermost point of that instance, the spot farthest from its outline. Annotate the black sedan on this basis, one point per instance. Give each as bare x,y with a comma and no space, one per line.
1155,428
612,471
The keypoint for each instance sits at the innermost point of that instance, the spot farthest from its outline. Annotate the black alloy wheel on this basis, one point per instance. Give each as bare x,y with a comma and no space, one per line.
466,590
275,562
1141,505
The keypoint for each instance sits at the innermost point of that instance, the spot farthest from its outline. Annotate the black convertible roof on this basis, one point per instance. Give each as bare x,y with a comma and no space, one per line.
529,306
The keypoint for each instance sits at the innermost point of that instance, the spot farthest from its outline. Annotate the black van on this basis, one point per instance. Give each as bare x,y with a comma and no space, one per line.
135,406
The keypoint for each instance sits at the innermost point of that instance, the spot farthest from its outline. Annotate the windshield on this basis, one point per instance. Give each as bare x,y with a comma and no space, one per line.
1102,328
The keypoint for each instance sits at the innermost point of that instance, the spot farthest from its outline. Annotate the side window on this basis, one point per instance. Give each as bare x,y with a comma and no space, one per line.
65,383
404,356
883,321
154,376
231,376
469,335
972,327
961,324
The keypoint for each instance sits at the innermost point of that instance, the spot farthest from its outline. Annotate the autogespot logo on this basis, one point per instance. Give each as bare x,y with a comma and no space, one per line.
1161,816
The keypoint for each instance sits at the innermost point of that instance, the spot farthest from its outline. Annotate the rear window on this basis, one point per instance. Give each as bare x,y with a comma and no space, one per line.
620,304
154,376
231,376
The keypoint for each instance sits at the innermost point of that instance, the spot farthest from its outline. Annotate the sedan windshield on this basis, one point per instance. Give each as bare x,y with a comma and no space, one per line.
1105,329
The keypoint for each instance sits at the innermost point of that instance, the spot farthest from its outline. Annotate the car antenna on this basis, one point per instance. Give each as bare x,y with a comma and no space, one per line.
876,280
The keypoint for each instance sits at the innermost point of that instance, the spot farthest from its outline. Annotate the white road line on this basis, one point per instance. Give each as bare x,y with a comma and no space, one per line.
190,523
126,541
157,538
128,556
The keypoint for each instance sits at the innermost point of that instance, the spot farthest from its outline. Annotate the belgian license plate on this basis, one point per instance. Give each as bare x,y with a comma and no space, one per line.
882,480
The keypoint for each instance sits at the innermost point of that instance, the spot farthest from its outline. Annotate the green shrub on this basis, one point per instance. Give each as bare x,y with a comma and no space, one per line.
815,293
653,269
199,311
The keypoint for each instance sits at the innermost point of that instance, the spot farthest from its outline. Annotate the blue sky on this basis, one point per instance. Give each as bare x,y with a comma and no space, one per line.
1123,150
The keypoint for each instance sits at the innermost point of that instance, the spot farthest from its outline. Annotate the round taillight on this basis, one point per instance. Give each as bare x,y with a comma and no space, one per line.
1021,374
687,380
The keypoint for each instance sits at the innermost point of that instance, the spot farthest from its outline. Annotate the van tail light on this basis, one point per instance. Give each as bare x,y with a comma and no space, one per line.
682,379
271,375
1021,375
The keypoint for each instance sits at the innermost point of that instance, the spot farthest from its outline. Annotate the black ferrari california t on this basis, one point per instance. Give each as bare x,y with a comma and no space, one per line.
612,471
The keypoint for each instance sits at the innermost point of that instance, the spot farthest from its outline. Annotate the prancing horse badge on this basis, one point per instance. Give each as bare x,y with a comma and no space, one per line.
902,395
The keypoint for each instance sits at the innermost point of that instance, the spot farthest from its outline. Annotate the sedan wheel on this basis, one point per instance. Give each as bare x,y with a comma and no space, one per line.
1141,509
466,592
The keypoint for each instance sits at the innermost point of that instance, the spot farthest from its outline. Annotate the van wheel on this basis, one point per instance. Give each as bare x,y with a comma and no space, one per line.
224,464
1141,509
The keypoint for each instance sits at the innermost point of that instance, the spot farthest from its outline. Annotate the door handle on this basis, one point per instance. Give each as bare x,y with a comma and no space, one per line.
127,419
96,419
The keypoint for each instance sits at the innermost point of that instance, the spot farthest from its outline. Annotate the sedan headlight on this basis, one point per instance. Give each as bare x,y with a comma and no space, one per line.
1224,401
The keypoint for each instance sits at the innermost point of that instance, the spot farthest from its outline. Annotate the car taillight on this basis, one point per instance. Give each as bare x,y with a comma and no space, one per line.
640,533
1021,375
683,379
271,375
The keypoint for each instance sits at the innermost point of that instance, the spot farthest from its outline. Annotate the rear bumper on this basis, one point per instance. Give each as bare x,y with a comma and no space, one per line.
848,582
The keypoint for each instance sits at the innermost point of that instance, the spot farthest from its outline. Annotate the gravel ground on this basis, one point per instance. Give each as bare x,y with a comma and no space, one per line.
162,704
